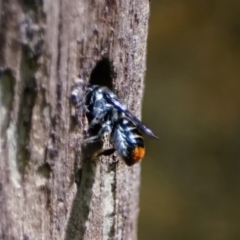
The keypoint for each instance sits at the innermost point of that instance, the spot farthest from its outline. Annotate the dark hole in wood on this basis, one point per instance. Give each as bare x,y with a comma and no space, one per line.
102,73
45,170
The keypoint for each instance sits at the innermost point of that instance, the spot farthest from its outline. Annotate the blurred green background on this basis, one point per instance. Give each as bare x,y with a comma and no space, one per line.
190,187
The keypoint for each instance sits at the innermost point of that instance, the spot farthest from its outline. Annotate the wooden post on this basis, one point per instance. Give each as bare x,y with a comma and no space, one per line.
46,190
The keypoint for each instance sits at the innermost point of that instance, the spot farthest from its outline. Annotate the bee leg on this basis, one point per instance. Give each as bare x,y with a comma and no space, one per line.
93,139
106,152
98,138
97,120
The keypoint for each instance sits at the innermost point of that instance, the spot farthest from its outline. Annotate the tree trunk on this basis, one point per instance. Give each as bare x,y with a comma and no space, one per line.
46,190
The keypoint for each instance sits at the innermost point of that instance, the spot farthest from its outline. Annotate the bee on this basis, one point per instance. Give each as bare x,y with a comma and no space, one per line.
107,114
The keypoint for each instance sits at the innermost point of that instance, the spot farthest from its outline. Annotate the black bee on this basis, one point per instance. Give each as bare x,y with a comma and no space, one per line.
106,114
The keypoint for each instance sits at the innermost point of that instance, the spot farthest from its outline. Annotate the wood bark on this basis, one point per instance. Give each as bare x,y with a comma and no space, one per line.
46,190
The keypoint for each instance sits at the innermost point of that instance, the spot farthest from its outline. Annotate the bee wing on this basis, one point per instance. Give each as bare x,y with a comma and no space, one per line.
139,124
112,98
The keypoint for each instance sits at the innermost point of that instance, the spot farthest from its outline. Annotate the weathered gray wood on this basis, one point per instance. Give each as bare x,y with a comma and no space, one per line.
46,191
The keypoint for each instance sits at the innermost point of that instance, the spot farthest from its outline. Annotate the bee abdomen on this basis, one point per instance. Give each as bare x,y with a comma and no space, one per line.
128,142
135,155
